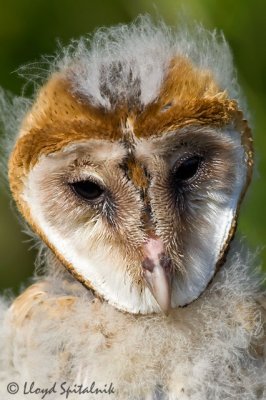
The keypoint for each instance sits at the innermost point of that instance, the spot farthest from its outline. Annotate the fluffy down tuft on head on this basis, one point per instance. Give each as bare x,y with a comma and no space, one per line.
136,56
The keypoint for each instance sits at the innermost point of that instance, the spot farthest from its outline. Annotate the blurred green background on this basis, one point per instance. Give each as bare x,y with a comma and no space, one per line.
30,28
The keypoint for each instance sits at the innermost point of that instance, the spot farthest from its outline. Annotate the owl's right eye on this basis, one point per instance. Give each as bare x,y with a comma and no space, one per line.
188,169
87,190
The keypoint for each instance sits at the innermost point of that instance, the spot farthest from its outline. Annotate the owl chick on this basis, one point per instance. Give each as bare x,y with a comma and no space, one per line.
130,164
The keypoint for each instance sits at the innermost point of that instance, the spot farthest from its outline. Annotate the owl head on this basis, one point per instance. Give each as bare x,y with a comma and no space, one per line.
132,160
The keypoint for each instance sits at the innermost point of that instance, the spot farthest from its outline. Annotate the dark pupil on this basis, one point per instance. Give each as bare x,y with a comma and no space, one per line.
87,189
188,168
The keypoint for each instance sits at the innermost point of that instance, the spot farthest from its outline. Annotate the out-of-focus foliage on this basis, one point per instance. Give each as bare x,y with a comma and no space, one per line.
29,29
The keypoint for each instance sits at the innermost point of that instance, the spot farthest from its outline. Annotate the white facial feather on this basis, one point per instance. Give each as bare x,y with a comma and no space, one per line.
85,246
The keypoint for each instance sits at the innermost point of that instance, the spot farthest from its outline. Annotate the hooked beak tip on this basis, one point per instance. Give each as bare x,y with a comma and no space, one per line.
159,281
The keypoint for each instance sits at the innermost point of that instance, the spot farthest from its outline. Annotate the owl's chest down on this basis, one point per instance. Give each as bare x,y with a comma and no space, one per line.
212,349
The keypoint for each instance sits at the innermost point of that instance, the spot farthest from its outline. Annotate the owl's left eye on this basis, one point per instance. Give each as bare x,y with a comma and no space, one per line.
87,189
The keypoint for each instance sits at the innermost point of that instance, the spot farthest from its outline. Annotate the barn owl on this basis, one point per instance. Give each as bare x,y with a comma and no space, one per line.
129,165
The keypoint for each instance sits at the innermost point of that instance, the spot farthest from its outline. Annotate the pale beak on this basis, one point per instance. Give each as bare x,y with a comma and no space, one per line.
157,272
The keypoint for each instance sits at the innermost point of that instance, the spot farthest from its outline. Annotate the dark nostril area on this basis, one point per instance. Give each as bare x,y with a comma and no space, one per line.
148,264
165,262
